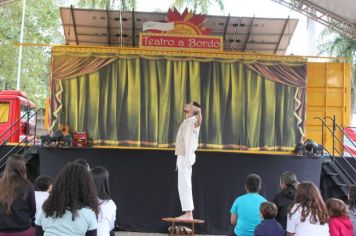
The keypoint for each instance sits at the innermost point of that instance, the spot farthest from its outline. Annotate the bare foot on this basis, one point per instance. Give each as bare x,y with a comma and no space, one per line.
185,216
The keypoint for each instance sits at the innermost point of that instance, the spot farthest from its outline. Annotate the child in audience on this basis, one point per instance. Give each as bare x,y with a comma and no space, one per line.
339,222
352,205
107,207
72,206
83,162
245,212
308,215
17,200
269,226
43,186
288,183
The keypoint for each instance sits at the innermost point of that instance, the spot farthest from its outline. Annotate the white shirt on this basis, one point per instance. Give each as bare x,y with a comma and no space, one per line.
106,217
187,140
294,225
40,198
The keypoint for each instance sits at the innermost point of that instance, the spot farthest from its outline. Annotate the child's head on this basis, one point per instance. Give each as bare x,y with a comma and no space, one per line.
101,180
309,199
336,208
82,162
307,192
268,210
253,183
13,177
352,196
72,190
15,170
288,179
43,183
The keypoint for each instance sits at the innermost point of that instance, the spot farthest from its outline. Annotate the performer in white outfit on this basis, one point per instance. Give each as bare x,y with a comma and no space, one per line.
186,144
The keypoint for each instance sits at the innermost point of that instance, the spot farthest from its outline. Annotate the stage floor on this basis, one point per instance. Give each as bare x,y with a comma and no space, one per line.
144,182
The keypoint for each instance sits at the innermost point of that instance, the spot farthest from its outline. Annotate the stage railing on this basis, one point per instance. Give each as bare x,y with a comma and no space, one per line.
24,143
335,139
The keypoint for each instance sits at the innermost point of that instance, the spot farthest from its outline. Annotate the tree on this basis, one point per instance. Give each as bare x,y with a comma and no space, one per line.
42,25
334,44
125,5
198,5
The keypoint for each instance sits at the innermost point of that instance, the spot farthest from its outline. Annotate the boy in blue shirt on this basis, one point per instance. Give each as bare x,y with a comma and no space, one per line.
245,212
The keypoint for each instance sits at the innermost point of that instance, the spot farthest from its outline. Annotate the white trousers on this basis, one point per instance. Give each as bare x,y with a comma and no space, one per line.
185,184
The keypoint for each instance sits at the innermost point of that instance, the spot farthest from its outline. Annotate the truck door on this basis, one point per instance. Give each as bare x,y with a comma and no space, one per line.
6,120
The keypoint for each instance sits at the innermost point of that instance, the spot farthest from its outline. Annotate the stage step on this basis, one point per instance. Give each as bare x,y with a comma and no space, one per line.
336,174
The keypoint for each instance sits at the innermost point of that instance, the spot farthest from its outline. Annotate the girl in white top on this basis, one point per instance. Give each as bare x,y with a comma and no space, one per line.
43,186
107,207
308,215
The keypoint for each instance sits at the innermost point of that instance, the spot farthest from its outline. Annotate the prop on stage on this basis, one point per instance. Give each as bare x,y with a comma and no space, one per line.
64,138
310,148
176,229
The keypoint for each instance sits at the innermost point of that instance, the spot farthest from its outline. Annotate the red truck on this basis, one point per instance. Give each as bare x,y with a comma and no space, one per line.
16,116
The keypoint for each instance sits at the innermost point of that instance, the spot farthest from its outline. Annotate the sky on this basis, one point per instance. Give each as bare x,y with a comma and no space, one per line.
303,41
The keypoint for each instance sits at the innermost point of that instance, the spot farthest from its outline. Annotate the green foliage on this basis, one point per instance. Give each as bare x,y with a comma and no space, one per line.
334,44
197,5
42,25
125,5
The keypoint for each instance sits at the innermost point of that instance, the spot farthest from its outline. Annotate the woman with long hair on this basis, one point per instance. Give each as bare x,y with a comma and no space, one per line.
352,205
107,207
72,206
17,200
308,215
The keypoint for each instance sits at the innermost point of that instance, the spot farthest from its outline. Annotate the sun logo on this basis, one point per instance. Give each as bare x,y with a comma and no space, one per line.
187,23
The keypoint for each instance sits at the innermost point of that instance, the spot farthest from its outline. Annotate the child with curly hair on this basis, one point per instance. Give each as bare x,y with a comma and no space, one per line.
72,206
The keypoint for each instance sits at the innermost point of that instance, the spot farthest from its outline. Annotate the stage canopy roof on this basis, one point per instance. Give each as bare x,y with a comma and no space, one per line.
242,34
338,15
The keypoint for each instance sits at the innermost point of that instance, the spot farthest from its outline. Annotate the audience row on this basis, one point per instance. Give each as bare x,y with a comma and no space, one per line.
78,203
298,210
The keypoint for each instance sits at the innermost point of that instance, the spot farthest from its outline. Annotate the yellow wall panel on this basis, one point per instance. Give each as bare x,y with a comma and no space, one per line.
313,112
316,97
316,75
315,135
335,97
338,112
328,94
347,76
335,71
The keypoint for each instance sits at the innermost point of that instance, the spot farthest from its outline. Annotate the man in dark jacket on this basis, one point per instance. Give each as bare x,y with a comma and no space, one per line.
285,197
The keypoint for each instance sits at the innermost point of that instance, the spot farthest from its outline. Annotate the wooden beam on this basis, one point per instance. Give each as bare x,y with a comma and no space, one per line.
281,36
248,34
133,28
108,25
226,25
74,25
